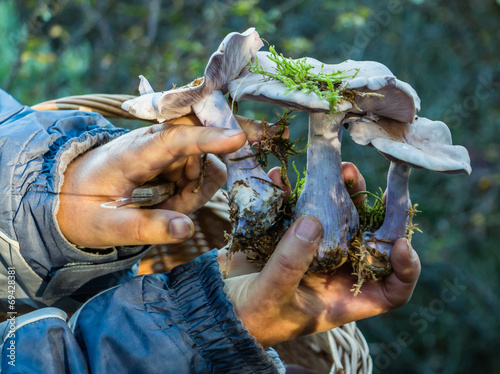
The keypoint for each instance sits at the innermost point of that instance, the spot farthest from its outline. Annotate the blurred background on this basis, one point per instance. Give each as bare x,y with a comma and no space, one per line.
448,51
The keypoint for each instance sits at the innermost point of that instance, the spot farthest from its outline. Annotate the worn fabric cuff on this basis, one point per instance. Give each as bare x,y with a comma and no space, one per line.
213,324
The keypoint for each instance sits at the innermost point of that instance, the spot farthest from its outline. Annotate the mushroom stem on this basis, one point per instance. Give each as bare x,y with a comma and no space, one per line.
325,194
379,244
398,202
255,200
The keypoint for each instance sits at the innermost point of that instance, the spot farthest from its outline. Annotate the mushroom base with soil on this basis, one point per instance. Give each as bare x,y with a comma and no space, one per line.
262,237
370,263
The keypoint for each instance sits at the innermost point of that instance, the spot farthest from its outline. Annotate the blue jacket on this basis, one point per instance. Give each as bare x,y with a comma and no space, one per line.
179,322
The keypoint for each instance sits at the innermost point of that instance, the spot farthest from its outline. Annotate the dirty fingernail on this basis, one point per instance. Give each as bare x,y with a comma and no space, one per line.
232,132
180,228
307,230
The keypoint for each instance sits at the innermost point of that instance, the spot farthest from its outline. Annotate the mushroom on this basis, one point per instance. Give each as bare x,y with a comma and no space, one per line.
422,144
373,90
325,194
254,199
395,99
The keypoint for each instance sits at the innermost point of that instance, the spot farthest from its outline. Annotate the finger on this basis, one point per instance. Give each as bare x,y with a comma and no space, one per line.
252,127
375,297
188,120
192,169
275,175
154,151
179,140
187,201
355,181
133,226
175,171
405,262
283,272
255,129
406,270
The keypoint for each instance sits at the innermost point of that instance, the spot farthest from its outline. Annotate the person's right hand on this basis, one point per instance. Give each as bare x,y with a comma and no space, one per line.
281,302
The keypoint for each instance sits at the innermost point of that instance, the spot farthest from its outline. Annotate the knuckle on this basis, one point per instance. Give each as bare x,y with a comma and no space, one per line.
268,306
169,138
138,231
399,302
396,300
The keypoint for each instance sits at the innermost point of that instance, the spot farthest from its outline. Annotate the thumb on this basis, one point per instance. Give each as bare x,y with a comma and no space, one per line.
134,226
291,259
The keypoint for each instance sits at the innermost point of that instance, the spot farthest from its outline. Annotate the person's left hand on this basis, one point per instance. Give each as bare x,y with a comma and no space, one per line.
171,151
281,302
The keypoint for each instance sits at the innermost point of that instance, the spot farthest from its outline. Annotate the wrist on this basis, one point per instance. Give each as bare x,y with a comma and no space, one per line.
200,281
269,321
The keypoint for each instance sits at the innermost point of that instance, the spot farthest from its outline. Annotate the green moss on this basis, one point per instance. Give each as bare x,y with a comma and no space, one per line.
299,186
371,216
298,75
273,143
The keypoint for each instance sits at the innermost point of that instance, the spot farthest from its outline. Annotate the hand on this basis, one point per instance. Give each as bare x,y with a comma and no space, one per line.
281,302
112,171
239,264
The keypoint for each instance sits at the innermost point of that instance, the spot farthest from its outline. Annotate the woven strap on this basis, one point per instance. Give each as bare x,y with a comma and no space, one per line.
108,105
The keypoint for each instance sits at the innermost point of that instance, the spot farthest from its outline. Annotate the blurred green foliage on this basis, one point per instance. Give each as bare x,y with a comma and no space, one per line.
448,51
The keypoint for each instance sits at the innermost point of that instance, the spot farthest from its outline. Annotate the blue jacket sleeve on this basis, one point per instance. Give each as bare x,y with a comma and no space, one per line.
36,148
41,342
179,322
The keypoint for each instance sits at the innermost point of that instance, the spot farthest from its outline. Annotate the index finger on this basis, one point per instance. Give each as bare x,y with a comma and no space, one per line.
256,129
180,140
355,181
144,156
